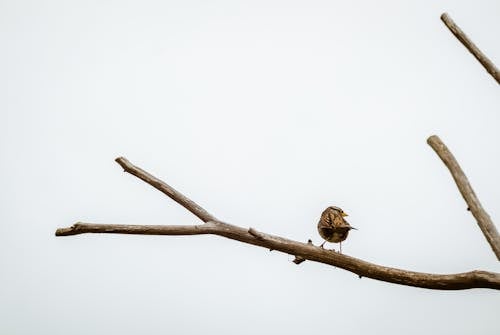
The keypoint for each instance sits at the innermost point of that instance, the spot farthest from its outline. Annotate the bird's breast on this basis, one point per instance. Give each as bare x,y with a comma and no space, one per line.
339,237
332,234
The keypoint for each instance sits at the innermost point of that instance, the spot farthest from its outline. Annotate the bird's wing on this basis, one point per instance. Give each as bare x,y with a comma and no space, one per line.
325,220
338,221
332,218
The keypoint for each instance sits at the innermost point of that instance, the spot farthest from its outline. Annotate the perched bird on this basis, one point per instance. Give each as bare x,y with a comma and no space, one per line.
332,226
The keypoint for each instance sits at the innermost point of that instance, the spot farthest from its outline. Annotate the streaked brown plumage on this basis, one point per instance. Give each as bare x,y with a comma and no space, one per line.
332,226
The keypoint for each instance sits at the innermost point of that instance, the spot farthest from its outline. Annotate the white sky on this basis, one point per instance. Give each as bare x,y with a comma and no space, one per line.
265,113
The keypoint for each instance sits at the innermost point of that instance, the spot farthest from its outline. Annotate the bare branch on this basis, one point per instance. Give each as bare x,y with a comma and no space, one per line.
83,228
459,281
167,189
474,50
301,251
483,219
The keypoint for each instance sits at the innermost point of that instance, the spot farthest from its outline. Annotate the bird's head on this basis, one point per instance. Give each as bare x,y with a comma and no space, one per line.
338,210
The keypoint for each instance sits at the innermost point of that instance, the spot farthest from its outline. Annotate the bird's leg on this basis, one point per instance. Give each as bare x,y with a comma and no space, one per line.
340,246
322,244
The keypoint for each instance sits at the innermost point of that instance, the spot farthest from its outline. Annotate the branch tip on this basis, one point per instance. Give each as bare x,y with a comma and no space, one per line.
72,230
433,139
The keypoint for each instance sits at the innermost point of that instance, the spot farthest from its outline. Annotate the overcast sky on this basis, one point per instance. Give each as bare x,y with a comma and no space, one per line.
265,113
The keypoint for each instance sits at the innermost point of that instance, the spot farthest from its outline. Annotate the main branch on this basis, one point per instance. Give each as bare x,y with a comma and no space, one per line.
459,281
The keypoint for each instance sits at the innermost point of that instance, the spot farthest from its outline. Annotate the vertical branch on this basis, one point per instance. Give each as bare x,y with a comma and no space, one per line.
474,50
483,219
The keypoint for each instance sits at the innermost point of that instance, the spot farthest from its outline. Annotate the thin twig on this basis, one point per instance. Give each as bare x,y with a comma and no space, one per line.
167,189
474,50
302,251
483,219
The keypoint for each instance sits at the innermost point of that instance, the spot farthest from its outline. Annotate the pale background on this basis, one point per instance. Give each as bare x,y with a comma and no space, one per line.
264,112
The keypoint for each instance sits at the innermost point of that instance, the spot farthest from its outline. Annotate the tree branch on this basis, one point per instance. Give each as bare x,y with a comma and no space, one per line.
83,228
302,251
483,219
474,50
166,189
459,281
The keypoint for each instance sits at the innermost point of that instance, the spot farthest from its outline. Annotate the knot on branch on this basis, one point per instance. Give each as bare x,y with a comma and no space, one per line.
256,234
300,259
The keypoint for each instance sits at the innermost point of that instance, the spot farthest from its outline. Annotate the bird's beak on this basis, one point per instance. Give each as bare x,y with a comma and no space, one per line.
344,214
354,228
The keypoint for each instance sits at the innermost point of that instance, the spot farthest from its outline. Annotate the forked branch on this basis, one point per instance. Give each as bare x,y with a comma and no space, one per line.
474,50
302,251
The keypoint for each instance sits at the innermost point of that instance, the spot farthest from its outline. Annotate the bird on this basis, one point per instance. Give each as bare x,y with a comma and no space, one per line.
332,226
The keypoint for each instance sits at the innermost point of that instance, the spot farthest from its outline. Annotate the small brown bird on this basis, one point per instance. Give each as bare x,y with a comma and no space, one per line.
333,227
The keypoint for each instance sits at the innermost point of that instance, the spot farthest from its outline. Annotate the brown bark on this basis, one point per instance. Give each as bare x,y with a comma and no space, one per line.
483,219
474,50
302,251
